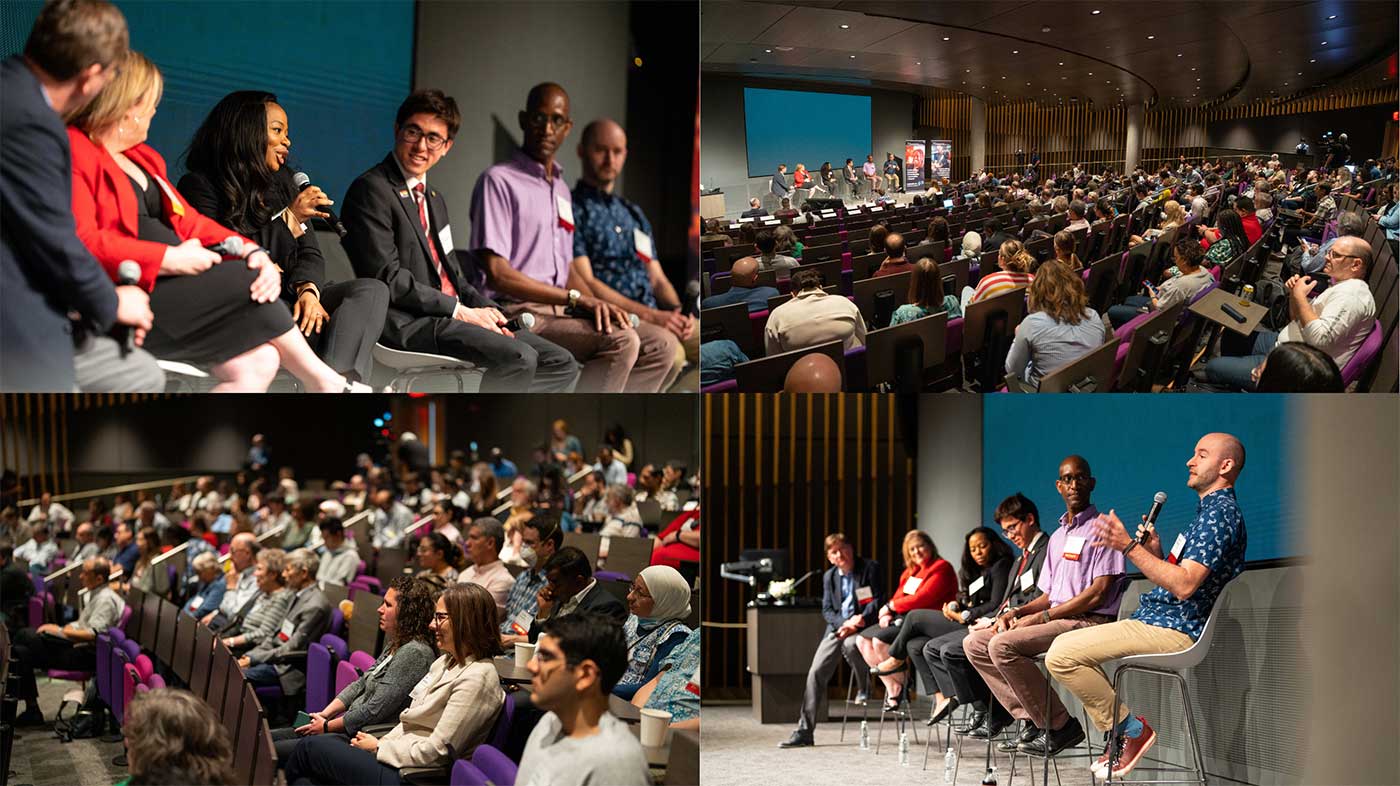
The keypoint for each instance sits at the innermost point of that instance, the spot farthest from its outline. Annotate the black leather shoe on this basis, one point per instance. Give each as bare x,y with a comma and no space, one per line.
1053,742
989,729
30,717
973,722
1029,731
799,739
949,704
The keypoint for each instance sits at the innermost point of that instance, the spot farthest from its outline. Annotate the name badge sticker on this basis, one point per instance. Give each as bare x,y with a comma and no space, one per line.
1177,548
521,623
286,631
421,689
911,585
864,595
1027,580
976,585
1074,546
566,212
643,243
445,239
196,602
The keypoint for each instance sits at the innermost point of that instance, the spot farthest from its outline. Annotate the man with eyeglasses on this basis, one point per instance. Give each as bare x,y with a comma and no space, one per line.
523,231
398,231
539,540
240,585
1336,322
1082,585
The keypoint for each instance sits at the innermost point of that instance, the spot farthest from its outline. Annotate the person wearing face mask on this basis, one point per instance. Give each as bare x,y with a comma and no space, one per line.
539,542
523,231
381,693
658,603
238,176
224,315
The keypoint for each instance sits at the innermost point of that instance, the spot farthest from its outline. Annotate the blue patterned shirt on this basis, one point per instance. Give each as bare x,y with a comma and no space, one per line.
523,597
672,691
604,233
1217,540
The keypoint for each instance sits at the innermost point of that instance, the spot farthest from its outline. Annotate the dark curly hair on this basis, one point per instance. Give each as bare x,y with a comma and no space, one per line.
230,150
416,604
970,569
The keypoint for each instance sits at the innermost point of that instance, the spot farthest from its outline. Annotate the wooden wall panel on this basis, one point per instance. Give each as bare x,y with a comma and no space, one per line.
783,471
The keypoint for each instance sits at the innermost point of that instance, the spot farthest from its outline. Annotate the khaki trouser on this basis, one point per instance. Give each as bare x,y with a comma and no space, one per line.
1075,655
631,361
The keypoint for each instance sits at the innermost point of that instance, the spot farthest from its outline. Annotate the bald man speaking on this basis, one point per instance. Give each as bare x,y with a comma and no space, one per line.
1172,616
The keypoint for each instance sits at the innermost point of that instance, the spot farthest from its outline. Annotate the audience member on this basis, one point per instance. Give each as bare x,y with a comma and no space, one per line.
680,540
39,550
1015,273
1298,367
1187,255
926,295
126,549
1061,327
172,736
16,587
675,688
743,288
259,619
577,662
391,523
58,517
813,317
570,588
623,519
537,547
895,260
208,591
451,711
659,603
755,209
439,561
281,659
339,560
1064,242
484,540
768,257
382,692
814,372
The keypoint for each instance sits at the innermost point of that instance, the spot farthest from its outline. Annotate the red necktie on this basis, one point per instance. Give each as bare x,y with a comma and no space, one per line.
447,288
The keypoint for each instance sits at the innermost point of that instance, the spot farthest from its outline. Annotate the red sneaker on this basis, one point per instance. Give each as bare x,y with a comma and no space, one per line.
1134,748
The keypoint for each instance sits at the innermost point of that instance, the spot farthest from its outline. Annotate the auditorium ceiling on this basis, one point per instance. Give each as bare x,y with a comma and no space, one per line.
1101,51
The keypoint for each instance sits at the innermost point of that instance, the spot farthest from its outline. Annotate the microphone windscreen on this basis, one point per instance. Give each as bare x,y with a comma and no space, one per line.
301,180
233,246
527,321
128,273
1160,498
634,319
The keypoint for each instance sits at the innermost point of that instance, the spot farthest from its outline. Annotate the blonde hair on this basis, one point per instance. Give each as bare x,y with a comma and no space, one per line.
1014,257
917,536
1176,214
137,79
1059,292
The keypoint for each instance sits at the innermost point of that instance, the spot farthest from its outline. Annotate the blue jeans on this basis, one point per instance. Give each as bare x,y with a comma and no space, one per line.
1235,371
1131,308
261,674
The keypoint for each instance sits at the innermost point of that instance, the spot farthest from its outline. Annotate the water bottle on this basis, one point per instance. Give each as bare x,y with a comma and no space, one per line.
865,735
904,749
950,763
990,779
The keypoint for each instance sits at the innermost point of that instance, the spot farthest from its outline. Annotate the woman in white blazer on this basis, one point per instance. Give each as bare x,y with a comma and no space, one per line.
451,711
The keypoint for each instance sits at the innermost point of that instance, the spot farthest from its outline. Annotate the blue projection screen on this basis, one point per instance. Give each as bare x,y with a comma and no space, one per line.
795,127
339,69
1139,445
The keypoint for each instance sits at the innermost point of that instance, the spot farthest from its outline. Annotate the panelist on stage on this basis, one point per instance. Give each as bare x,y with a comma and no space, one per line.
1173,614
778,184
852,595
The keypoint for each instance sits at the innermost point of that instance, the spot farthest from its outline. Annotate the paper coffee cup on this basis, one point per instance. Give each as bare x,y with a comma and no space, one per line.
654,725
524,651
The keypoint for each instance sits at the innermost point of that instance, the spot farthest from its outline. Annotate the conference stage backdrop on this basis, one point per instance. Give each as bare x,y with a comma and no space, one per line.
1139,445
914,165
940,159
339,69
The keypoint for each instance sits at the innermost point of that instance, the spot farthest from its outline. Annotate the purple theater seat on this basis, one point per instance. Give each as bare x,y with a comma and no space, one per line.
362,661
1364,355
360,571
344,675
336,645
104,667
496,766
37,579
726,386
270,692
337,621
954,337
464,773
611,575
319,676
115,680
144,667
156,682
500,732
132,650
121,623
632,479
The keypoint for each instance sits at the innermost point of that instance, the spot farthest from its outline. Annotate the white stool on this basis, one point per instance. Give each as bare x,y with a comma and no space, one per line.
409,367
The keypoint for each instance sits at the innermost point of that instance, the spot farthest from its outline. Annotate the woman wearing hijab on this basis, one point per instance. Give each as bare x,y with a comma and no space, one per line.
659,601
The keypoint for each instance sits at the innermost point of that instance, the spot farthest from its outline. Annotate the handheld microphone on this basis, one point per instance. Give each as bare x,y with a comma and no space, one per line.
128,275
691,303
1158,500
303,181
231,246
524,321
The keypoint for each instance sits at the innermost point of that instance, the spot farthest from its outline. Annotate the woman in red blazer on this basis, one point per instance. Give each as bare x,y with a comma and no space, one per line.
928,582
207,310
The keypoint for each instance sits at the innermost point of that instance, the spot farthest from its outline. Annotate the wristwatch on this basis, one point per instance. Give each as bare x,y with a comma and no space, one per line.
574,296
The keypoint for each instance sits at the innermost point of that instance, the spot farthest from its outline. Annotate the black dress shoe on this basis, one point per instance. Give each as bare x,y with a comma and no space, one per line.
990,728
30,717
1053,742
949,704
799,739
973,722
1029,731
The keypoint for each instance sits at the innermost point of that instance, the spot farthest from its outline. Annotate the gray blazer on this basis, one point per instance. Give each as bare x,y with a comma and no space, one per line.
381,699
779,185
310,618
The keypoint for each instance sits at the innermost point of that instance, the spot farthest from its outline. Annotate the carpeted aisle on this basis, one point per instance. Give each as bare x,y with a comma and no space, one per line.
38,758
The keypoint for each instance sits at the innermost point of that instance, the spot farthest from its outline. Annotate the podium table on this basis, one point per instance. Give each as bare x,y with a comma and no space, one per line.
712,205
781,643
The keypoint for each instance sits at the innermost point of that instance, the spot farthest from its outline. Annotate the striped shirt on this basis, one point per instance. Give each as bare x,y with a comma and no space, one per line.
999,283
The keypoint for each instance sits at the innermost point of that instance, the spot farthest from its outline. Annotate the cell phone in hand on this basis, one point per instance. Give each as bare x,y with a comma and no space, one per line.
301,720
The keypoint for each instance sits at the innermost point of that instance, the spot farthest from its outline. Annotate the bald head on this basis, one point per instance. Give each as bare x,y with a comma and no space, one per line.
545,92
1216,463
545,123
603,151
1353,258
744,273
813,373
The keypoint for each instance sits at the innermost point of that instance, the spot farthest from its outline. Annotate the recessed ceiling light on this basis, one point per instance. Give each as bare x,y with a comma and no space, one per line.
1003,77
1314,60
1064,77
1193,68
1334,16
1015,51
918,62
968,71
769,51
1198,79
845,27
945,38
1178,54
1045,29
1285,84
1062,62
1108,81
1095,12
1324,43
853,57
1300,73
1028,84
1151,37
1091,73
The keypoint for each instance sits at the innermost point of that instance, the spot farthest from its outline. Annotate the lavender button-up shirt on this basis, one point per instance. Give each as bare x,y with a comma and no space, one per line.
515,215
1062,579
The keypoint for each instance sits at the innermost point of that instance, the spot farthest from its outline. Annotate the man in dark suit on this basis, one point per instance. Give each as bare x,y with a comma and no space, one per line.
778,184
281,658
1020,522
755,210
570,588
397,231
852,594
70,56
